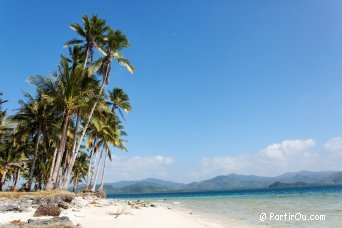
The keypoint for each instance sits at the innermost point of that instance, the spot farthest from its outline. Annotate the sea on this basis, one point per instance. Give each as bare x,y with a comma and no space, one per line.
314,206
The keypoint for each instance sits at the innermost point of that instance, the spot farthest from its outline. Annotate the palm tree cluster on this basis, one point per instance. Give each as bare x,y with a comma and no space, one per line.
63,132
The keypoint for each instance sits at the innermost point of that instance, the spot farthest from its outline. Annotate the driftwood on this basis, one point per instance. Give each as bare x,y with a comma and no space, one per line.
119,212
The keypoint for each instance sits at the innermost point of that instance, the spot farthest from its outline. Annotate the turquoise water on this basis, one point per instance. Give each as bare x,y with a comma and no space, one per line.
247,205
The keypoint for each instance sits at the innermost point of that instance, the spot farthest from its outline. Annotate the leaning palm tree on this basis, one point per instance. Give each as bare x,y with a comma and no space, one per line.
95,131
101,111
112,139
71,90
97,169
115,41
102,129
80,169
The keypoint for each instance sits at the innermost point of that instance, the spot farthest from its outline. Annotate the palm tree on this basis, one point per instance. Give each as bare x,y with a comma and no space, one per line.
101,111
100,128
92,32
71,90
95,145
115,41
80,169
94,132
77,55
43,141
104,170
2,118
10,159
97,170
119,100
33,119
112,139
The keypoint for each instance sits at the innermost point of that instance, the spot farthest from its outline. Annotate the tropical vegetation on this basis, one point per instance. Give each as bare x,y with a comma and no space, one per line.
69,127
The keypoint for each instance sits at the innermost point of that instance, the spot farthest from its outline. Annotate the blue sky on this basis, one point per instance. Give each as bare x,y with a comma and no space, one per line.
218,84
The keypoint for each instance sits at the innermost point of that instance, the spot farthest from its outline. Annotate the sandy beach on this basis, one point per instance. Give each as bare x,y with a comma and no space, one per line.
95,212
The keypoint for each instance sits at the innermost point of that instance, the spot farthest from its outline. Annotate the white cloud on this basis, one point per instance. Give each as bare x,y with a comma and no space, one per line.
287,148
334,145
134,168
275,159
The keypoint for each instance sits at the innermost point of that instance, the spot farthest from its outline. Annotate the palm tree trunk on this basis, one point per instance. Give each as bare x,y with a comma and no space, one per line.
52,182
3,178
104,172
86,59
53,162
14,187
68,172
90,117
40,183
97,171
59,176
75,183
90,171
29,182
93,167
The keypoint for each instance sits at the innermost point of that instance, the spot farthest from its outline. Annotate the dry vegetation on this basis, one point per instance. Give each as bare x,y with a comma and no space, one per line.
52,193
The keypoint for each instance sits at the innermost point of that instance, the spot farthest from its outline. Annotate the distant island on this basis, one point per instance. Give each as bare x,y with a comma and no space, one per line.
279,184
227,182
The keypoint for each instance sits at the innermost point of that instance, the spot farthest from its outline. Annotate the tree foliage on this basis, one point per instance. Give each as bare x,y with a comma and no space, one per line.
54,135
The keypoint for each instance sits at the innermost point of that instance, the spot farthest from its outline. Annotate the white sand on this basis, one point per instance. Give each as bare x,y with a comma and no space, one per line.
102,214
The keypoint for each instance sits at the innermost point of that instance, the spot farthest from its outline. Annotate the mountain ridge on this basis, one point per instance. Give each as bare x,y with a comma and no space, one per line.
224,182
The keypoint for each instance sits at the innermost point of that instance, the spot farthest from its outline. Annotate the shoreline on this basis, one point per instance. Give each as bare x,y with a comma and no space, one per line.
88,212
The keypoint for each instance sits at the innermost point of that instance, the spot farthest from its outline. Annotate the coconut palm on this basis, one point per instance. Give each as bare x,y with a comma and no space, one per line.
100,128
97,170
101,111
119,100
94,132
115,41
2,118
10,158
112,139
33,119
71,89
42,142
80,169
94,147
92,33
77,55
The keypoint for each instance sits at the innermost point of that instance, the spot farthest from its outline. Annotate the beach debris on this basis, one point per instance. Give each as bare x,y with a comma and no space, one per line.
60,222
17,223
79,202
67,198
63,205
10,207
26,203
121,211
140,203
93,202
47,210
